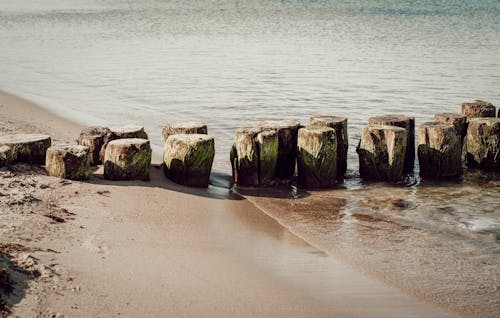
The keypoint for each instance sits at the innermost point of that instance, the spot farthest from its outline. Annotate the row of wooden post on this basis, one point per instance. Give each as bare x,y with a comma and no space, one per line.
268,151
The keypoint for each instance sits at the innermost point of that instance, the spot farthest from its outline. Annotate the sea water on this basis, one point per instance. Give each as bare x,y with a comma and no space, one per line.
228,63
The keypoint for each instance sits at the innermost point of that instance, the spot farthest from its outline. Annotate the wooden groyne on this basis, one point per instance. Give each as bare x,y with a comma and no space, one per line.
267,152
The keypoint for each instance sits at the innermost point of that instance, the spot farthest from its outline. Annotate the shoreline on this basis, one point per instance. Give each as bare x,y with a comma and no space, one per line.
170,230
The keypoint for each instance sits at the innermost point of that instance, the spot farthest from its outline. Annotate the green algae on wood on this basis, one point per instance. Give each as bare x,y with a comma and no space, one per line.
192,127
339,124
482,143
287,131
254,156
28,148
407,123
439,150
68,162
245,157
188,159
382,151
478,109
127,159
317,157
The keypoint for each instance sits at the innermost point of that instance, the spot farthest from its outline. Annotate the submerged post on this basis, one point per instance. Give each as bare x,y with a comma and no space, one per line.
317,157
408,123
339,124
382,152
439,150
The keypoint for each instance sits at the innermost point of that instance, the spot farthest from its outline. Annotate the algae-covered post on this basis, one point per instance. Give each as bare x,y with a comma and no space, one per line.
28,148
317,157
254,156
129,131
127,159
192,127
188,159
5,155
478,109
287,136
382,152
96,138
457,120
439,150
407,123
482,143
68,162
268,146
339,124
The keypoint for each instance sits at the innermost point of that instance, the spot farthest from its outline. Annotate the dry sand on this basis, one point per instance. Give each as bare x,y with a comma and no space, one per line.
156,249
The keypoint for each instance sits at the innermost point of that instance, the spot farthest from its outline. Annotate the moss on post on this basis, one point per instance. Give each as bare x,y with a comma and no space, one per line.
268,147
382,152
188,159
127,159
68,162
317,157
482,143
28,148
245,157
439,150
407,123
287,135
339,124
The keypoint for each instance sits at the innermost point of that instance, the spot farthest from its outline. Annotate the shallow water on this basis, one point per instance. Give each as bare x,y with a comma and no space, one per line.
230,62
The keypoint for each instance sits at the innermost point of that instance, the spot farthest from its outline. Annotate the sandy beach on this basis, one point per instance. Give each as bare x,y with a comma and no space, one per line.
151,249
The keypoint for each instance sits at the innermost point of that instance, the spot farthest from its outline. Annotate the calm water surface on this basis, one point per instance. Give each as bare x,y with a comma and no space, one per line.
228,63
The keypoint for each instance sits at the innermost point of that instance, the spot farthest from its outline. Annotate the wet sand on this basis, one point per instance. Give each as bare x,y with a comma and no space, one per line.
149,249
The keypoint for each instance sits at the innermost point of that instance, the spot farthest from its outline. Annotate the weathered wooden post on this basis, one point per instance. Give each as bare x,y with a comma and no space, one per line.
5,155
339,124
96,138
191,127
382,152
127,159
129,131
478,109
458,121
407,123
28,148
439,150
254,156
188,159
68,162
287,136
482,143
317,157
